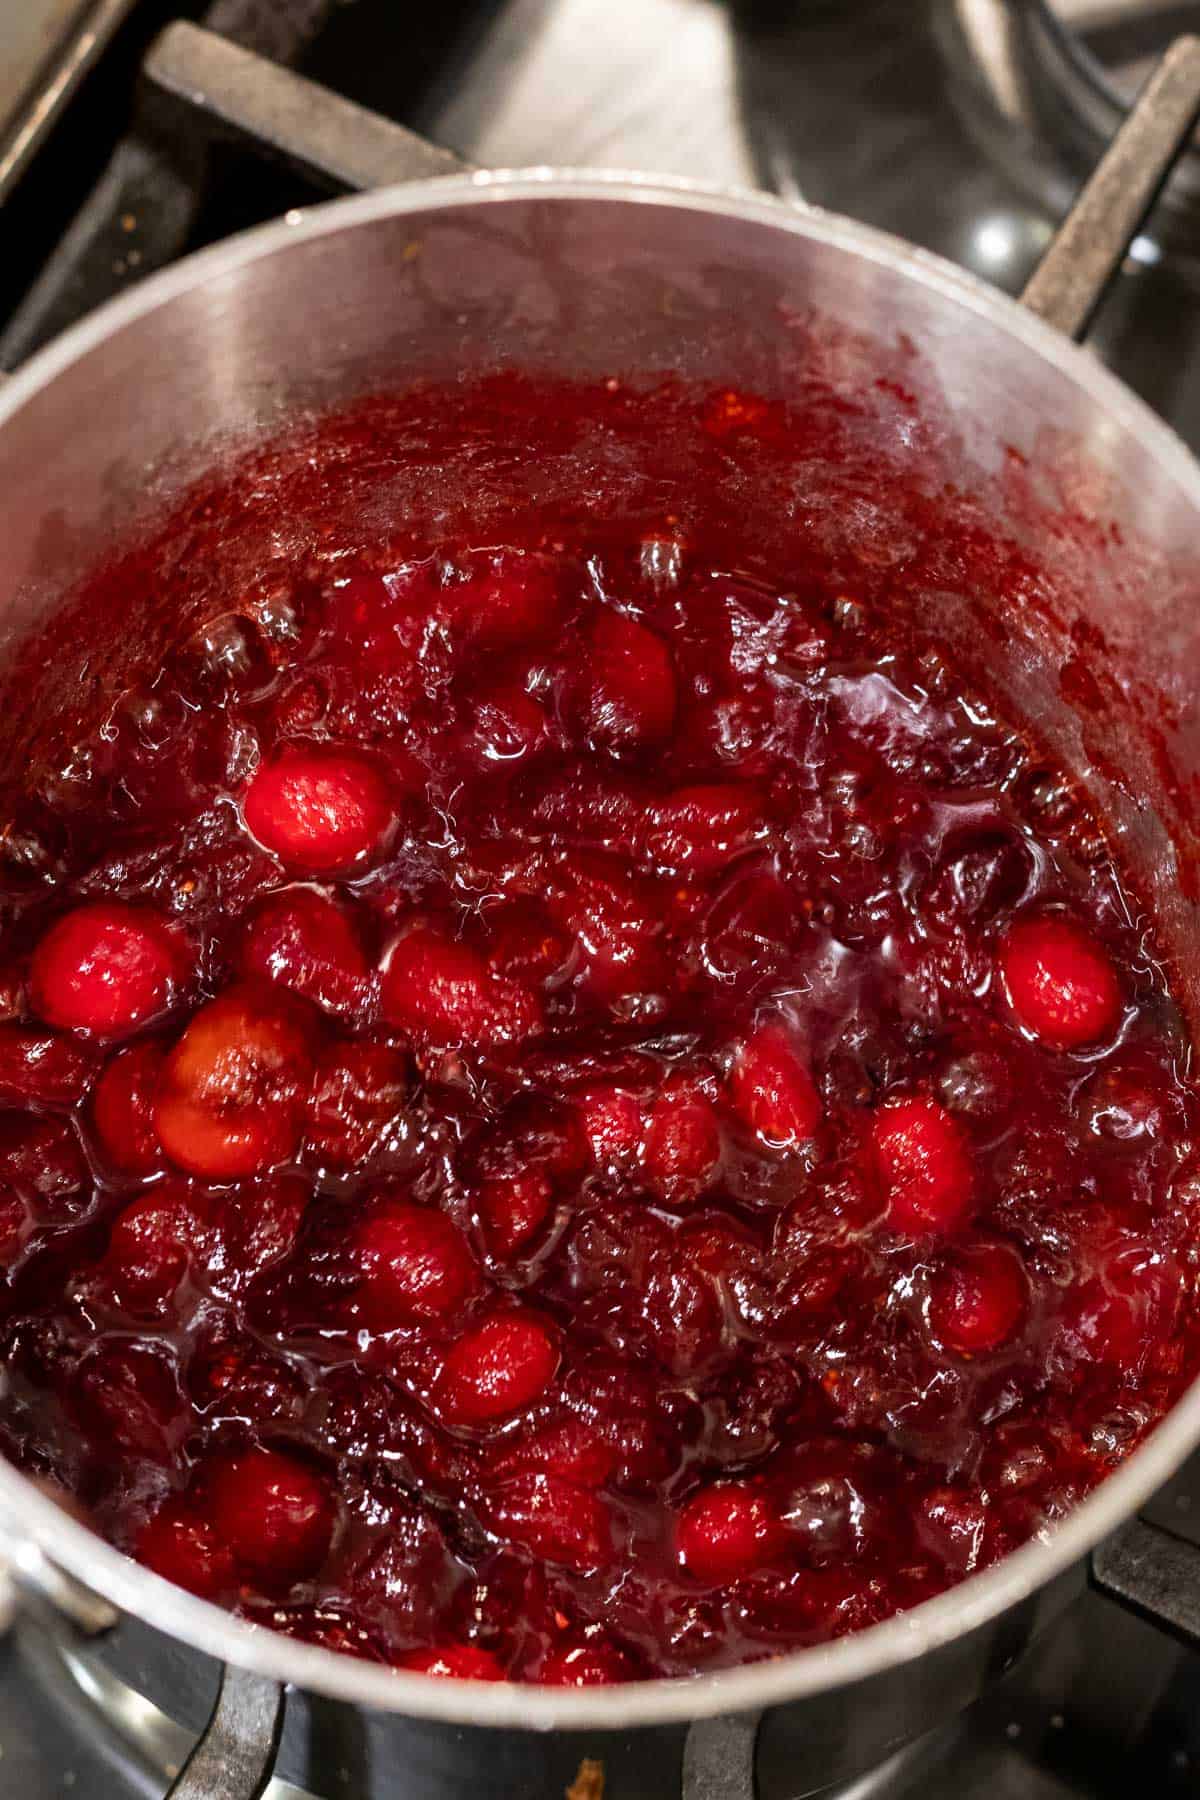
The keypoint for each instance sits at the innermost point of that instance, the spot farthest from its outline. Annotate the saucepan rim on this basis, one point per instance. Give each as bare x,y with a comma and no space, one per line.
34,1527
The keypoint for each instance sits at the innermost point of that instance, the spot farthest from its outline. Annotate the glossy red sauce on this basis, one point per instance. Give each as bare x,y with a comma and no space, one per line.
575,1107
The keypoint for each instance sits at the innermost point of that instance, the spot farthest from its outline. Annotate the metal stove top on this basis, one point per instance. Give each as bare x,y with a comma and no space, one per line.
962,124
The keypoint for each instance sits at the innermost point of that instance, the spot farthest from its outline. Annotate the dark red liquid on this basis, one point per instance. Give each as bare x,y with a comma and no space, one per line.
604,1118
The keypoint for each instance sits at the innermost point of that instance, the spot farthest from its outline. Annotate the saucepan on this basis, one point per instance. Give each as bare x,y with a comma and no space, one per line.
589,274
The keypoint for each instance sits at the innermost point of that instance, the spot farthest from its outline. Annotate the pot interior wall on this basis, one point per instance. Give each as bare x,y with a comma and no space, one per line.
1086,620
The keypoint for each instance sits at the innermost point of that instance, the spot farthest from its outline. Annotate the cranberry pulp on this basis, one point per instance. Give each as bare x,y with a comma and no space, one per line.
573,1109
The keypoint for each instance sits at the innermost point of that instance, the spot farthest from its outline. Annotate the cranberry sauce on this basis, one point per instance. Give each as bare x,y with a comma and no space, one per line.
572,1111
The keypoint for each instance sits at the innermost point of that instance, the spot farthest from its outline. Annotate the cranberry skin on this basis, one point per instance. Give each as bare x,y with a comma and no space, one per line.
320,810
978,1298
773,1091
1061,983
308,943
925,1165
184,1548
123,1102
623,693
42,1158
726,1531
443,994
555,1519
697,829
149,1251
517,1170
415,1267
683,1143
358,1100
106,968
261,1223
594,1663
126,1395
42,1067
232,1092
526,945
567,1448
274,1512
613,1126
456,1662
513,1209
513,598
498,1369
508,724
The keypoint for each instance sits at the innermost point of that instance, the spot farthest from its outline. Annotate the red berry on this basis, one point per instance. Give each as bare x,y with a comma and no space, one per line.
773,1091
126,1396
415,1266
106,968
1061,984
261,1222
569,1449
308,943
696,829
509,597
443,994
320,809
622,692
952,1523
517,1169
42,1158
149,1251
554,1519
184,1548
925,1165
978,1298
42,1067
726,1531
508,725
526,945
458,1662
513,1208
618,922
683,1142
613,1126
497,1369
358,1102
123,1110
596,1662
233,1090
273,1511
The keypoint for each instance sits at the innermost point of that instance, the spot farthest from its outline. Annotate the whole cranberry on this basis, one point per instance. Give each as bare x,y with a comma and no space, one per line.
232,1092
321,810
621,692
978,1298
106,968
185,1548
924,1163
772,1089
683,1142
595,1662
149,1251
1061,983
455,1662
497,1369
273,1511
726,1530
414,1266
123,1102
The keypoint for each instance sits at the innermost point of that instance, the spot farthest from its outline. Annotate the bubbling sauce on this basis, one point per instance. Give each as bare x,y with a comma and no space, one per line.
572,1109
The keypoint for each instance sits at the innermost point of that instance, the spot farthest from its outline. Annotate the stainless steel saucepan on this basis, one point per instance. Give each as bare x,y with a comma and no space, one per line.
589,273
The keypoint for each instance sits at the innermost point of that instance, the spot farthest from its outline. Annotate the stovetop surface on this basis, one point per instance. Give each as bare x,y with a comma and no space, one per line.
870,107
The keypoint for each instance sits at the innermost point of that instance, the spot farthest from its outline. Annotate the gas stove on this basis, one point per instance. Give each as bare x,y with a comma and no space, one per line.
964,125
